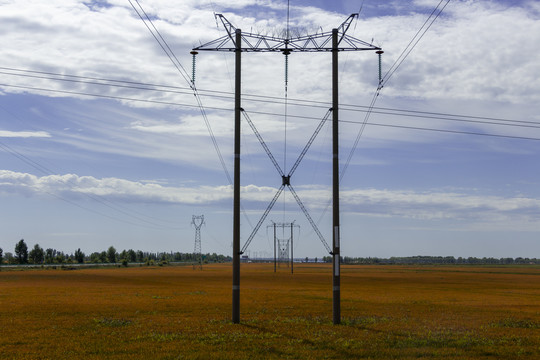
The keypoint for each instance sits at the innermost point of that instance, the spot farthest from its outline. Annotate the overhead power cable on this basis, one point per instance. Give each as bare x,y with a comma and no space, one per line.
414,41
191,83
185,75
161,41
255,98
382,82
44,170
170,103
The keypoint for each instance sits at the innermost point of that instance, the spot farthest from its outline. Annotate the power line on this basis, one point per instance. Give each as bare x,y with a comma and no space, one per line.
48,172
170,54
161,41
452,131
169,103
251,97
44,170
414,41
382,81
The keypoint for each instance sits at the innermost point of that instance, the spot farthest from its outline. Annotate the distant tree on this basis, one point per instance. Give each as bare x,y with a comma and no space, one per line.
50,254
37,255
111,254
131,255
94,258
60,257
21,252
79,256
507,261
122,255
103,257
1,256
9,258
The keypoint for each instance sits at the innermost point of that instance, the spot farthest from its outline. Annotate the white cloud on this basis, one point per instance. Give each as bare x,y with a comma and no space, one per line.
427,205
24,134
475,50
74,186
432,205
471,51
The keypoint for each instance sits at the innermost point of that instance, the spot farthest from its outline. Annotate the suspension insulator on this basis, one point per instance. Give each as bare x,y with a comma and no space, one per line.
194,54
286,51
380,52
286,70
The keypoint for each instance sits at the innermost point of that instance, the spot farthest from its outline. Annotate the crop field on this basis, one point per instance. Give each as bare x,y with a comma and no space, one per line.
175,312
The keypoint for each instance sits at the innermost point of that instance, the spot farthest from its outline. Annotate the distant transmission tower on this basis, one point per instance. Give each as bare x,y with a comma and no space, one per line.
198,222
283,246
283,250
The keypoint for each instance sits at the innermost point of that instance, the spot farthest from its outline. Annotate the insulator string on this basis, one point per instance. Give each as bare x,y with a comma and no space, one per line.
379,53
193,63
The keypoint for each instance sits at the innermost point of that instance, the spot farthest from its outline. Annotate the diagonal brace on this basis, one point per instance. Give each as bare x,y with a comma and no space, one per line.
263,144
308,145
304,210
263,217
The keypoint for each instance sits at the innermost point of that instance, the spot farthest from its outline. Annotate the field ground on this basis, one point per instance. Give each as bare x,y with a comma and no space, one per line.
389,312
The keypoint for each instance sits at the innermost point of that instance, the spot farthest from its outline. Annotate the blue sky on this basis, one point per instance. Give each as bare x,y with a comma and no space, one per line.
89,172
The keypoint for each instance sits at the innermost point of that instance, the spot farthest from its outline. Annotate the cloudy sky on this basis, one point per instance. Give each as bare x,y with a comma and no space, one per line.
102,141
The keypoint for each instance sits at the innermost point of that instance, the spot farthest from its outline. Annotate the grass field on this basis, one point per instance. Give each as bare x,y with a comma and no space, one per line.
388,312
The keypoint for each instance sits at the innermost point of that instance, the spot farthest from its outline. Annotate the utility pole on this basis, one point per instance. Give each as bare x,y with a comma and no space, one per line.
274,247
240,42
236,191
292,249
336,298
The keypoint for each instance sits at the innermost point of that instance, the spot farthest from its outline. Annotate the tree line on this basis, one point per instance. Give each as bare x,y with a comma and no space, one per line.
436,260
37,255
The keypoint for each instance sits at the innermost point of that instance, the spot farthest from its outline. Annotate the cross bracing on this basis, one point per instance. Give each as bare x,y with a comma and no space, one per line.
286,181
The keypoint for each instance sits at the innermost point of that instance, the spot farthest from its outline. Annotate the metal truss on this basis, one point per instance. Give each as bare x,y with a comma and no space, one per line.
319,42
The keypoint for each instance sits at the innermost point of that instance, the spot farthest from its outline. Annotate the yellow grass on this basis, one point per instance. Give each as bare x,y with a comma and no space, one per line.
388,312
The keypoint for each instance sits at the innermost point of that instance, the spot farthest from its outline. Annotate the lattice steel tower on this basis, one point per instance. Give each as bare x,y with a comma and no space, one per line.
197,221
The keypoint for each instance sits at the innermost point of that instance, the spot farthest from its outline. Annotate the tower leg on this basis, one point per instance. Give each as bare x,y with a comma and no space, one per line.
336,298
236,205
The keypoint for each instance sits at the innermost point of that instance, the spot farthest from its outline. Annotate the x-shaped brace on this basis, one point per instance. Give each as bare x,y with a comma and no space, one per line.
286,181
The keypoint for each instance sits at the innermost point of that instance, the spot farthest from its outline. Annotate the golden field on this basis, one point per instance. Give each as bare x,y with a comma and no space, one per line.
175,312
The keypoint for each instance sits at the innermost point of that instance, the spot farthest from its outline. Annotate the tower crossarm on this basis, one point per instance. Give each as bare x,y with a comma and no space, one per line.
323,42
342,29
227,25
265,43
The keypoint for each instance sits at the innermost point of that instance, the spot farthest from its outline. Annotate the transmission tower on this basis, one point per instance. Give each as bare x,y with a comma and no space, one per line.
283,250
197,221
328,42
283,247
